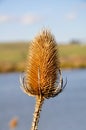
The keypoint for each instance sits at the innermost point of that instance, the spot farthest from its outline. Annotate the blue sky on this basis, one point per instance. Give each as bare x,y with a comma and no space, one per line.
23,19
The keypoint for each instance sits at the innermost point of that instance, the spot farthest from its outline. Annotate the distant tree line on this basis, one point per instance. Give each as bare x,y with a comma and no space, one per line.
74,41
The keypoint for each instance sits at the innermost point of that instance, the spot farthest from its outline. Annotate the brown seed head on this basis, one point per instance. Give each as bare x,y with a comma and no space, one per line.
42,65
42,72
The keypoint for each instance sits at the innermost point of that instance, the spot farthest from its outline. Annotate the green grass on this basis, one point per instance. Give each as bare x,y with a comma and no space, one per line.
73,56
72,50
13,56
13,52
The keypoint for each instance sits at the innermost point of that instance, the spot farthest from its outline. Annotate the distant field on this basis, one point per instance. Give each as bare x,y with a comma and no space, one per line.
13,56
73,56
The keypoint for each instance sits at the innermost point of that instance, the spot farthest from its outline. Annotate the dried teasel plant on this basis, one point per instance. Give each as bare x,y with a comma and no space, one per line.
43,78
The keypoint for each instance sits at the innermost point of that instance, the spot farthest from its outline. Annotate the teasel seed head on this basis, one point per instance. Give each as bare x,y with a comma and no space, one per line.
43,78
43,67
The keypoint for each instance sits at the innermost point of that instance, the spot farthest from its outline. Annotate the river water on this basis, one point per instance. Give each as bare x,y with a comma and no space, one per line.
64,112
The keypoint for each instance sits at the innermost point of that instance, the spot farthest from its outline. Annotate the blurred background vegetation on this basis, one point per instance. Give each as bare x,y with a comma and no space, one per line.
13,55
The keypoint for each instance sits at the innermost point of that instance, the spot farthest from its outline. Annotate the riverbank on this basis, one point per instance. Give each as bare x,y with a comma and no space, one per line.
13,56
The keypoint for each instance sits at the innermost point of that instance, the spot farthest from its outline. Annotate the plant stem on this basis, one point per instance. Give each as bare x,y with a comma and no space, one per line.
36,115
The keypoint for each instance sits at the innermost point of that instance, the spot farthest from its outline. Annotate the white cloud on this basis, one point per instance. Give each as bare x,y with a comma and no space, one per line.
71,16
4,18
7,19
29,19
25,19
